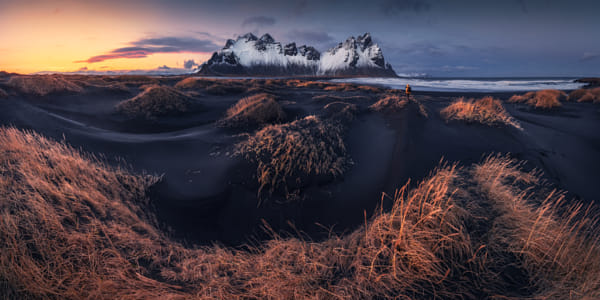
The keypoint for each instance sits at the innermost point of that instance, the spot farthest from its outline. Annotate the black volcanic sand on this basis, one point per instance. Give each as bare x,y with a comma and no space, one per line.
209,195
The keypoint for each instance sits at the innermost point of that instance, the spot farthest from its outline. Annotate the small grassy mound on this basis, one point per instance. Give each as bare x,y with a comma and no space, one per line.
218,87
544,99
132,80
585,95
254,110
487,111
340,111
155,101
332,98
100,82
42,85
308,84
350,87
194,83
225,88
288,155
73,228
389,103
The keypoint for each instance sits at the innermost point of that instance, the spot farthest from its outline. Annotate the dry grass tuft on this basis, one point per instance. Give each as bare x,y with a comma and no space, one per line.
544,99
132,79
3,94
289,155
333,98
389,103
74,228
219,87
42,85
155,101
555,243
194,83
340,111
585,95
487,111
254,110
349,87
225,88
100,82
308,84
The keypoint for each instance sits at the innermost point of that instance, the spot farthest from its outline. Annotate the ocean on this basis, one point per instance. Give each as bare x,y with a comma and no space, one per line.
471,84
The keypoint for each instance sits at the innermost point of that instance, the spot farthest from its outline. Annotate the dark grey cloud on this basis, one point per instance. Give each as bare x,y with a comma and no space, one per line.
523,6
164,67
259,21
190,63
587,56
181,43
148,46
300,7
459,68
309,36
424,48
391,7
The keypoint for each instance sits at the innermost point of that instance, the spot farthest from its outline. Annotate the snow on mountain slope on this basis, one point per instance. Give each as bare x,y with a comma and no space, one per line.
265,51
249,55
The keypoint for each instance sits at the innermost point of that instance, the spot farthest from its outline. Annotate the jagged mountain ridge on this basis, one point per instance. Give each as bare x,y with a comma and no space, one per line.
249,55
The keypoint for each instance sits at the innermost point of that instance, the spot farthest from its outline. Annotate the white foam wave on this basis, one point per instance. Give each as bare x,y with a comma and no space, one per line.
469,85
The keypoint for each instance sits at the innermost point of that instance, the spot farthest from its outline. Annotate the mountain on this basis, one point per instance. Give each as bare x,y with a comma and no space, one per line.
355,57
249,55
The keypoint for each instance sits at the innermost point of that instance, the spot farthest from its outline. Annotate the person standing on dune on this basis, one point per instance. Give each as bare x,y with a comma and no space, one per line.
408,90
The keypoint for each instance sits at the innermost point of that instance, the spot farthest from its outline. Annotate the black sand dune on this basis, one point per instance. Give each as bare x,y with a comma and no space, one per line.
288,203
209,194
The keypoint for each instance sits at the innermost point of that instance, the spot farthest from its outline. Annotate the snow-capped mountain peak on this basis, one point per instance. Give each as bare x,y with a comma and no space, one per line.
353,54
250,55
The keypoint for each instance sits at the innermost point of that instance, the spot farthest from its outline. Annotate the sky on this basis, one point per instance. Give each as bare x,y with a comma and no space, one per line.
457,38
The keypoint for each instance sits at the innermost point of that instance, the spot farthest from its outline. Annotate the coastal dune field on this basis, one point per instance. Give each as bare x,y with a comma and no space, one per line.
179,187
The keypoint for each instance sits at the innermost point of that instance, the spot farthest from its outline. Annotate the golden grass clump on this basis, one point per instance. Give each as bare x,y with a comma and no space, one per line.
219,87
72,227
340,87
334,98
42,85
308,84
155,101
585,95
253,110
349,87
389,103
555,242
225,88
194,83
544,99
99,82
340,111
132,79
487,111
288,155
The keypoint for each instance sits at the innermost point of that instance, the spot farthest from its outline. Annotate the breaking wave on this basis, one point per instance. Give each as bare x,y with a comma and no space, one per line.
470,85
